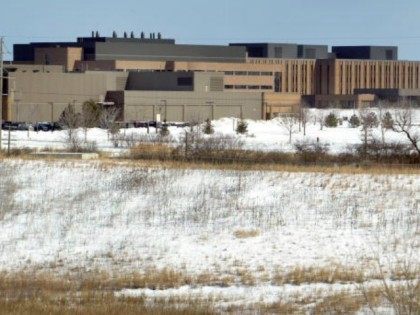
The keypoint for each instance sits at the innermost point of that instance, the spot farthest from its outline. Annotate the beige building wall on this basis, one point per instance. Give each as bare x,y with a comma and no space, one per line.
348,75
295,75
65,56
43,96
18,67
280,103
191,106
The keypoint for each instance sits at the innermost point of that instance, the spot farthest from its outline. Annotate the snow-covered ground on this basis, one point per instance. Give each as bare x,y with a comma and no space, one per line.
121,218
262,135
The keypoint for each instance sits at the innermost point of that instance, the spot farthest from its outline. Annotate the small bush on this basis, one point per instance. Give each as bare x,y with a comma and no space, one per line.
387,121
164,131
242,127
311,151
369,120
354,121
331,120
208,127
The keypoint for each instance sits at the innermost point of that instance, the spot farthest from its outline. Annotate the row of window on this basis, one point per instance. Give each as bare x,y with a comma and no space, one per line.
248,87
251,73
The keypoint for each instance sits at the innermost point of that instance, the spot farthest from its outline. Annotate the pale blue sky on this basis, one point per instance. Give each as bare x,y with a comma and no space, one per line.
332,22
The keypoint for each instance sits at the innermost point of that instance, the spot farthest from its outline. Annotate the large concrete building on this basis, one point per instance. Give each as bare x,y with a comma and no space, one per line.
250,80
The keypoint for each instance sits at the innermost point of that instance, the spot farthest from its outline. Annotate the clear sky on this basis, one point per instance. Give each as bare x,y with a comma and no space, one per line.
332,22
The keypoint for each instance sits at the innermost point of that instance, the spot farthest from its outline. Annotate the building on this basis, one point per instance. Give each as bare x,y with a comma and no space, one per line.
249,80
174,96
123,49
366,52
342,81
283,50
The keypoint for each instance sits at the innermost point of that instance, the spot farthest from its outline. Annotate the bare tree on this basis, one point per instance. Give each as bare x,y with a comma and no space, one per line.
70,120
320,117
304,116
383,119
108,120
403,123
368,121
91,113
290,123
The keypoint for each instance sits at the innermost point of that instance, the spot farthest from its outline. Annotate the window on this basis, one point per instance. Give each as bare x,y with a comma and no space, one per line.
240,87
253,87
228,72
267,73
228,87
185,81
253,73
240,72
266,87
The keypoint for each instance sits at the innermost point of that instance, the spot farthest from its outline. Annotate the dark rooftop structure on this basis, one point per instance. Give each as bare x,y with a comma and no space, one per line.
154,48
366,52
284,50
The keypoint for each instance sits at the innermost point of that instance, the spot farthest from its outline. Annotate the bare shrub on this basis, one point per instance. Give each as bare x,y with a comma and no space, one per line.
310,151
194,145
402,295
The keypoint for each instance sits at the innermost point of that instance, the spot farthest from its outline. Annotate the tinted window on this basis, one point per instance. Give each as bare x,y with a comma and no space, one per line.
185,81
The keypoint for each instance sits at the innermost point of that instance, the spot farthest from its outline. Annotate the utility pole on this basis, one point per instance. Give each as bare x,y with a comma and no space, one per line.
1,87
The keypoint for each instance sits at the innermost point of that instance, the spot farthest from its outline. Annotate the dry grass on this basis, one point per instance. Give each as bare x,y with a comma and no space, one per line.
93,293
340,303
246,233
109,162
155,279
158,150
330,274
98,303
25,293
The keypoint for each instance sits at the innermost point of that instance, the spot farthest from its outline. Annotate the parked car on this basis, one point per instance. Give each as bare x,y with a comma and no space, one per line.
24,126
47,126
43,126
9,125
141,124
14,125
